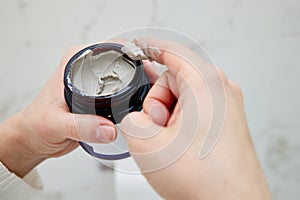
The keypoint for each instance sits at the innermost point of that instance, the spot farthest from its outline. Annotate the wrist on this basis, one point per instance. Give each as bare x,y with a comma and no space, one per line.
15,151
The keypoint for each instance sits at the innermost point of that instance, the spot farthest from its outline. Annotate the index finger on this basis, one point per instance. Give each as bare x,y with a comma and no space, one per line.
175,56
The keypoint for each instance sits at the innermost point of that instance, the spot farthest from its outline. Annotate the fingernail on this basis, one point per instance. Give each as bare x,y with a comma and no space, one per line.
105,134
158,115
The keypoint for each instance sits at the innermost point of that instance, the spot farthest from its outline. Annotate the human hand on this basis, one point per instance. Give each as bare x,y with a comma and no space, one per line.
47,129
179,106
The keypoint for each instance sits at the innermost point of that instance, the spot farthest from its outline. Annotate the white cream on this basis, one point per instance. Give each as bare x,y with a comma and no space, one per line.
133,51
107,73
101,74
138,50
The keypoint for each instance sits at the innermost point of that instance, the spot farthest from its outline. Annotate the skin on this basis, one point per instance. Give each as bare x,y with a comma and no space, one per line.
47,129
230,171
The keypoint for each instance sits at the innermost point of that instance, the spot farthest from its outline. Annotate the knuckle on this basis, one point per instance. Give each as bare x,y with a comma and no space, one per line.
236,89
72,130
73,49
222,75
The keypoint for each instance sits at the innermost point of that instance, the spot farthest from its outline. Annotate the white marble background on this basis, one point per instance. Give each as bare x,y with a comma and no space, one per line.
257,44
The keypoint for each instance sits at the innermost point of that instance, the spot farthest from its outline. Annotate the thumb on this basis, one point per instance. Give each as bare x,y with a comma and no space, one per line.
89,128
140,132
144,139
153,147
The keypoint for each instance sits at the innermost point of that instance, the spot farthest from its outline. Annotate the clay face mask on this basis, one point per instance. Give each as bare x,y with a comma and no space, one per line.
101,74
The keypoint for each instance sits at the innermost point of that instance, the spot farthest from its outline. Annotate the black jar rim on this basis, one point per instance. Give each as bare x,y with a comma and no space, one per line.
101,48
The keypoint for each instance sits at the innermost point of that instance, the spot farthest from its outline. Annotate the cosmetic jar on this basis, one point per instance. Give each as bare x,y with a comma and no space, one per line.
102,80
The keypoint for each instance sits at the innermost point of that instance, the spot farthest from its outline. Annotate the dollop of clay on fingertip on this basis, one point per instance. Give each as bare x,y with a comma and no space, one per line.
133,51
151,52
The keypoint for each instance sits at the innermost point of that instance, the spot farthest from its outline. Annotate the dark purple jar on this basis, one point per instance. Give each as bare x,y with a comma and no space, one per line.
112,106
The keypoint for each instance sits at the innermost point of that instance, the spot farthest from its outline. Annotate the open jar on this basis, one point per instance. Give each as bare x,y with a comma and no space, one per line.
103,80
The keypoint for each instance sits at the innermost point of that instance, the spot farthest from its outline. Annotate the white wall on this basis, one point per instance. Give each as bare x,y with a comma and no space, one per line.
257,44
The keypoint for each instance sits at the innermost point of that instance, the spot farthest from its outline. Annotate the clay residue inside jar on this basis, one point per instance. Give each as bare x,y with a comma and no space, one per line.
101,74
